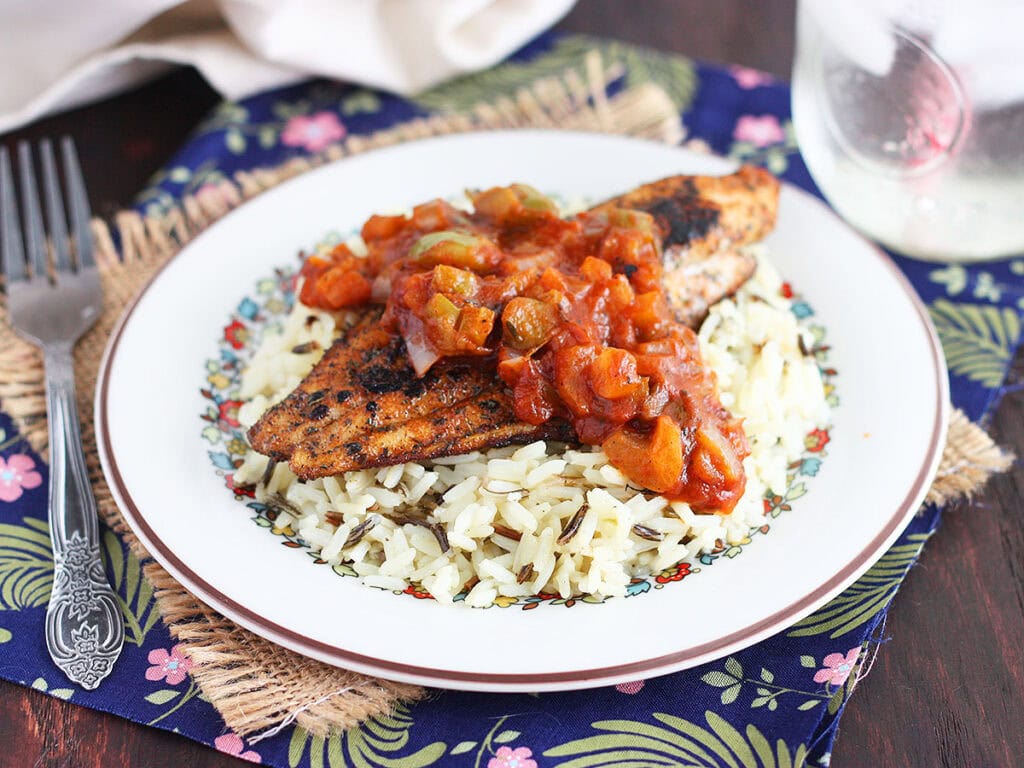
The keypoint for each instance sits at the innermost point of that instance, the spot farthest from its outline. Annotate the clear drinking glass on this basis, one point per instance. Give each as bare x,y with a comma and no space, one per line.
910,116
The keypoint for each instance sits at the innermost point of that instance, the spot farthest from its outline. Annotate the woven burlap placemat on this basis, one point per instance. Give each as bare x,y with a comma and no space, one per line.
254,684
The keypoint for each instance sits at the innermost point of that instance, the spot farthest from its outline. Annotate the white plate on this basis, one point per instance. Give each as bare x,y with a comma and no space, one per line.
886,439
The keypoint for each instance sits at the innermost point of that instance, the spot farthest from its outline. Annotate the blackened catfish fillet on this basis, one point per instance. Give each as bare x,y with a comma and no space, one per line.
703,221
363,406
477,423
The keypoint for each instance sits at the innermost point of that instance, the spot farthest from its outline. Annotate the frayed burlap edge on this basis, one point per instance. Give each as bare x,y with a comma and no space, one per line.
254,684
970,458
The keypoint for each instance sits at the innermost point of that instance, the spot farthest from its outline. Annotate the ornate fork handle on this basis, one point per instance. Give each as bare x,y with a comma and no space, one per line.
84,627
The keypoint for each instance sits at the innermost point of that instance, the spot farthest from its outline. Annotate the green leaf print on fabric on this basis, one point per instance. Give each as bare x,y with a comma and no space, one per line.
373,744
360,102
26,565
680,743
158,202
865,597
235,141
166,695
133,590
775,155
40,684
675,74
5,635
162,696
732,682
978,339
954,277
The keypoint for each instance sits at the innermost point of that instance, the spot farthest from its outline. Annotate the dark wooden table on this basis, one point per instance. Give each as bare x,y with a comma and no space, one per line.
948,687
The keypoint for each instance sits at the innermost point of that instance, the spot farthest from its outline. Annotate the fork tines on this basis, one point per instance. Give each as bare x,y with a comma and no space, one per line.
67,252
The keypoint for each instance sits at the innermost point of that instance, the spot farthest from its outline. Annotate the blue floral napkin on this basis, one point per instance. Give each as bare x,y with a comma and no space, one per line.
774,704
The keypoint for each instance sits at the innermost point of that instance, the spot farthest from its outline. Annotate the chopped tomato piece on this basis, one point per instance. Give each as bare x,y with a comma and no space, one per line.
437,214
653,459
497,204
613,374
650,313
620,293
339,287
528,323
475,324
596,270
533,396
511,366
570,377
381,227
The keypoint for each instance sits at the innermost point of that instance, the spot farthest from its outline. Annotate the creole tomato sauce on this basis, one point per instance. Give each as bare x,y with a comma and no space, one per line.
573,315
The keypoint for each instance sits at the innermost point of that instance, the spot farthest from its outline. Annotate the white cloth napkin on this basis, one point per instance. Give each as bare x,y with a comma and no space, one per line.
56,55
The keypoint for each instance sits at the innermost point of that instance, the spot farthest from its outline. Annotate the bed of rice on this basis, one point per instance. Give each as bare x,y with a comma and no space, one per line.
503,512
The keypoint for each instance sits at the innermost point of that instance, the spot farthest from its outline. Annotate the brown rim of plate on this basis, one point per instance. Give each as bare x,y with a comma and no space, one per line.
583,678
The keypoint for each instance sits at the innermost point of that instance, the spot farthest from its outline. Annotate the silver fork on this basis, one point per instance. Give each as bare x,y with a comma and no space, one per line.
52,308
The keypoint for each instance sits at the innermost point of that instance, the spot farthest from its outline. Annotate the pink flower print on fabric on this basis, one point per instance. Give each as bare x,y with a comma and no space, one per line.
506,757
631,687
759,130
172,667
313,133
837,668
17,474
231,744
748,78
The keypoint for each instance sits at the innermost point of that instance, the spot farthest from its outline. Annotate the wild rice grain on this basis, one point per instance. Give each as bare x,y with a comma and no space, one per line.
647,533
573,525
